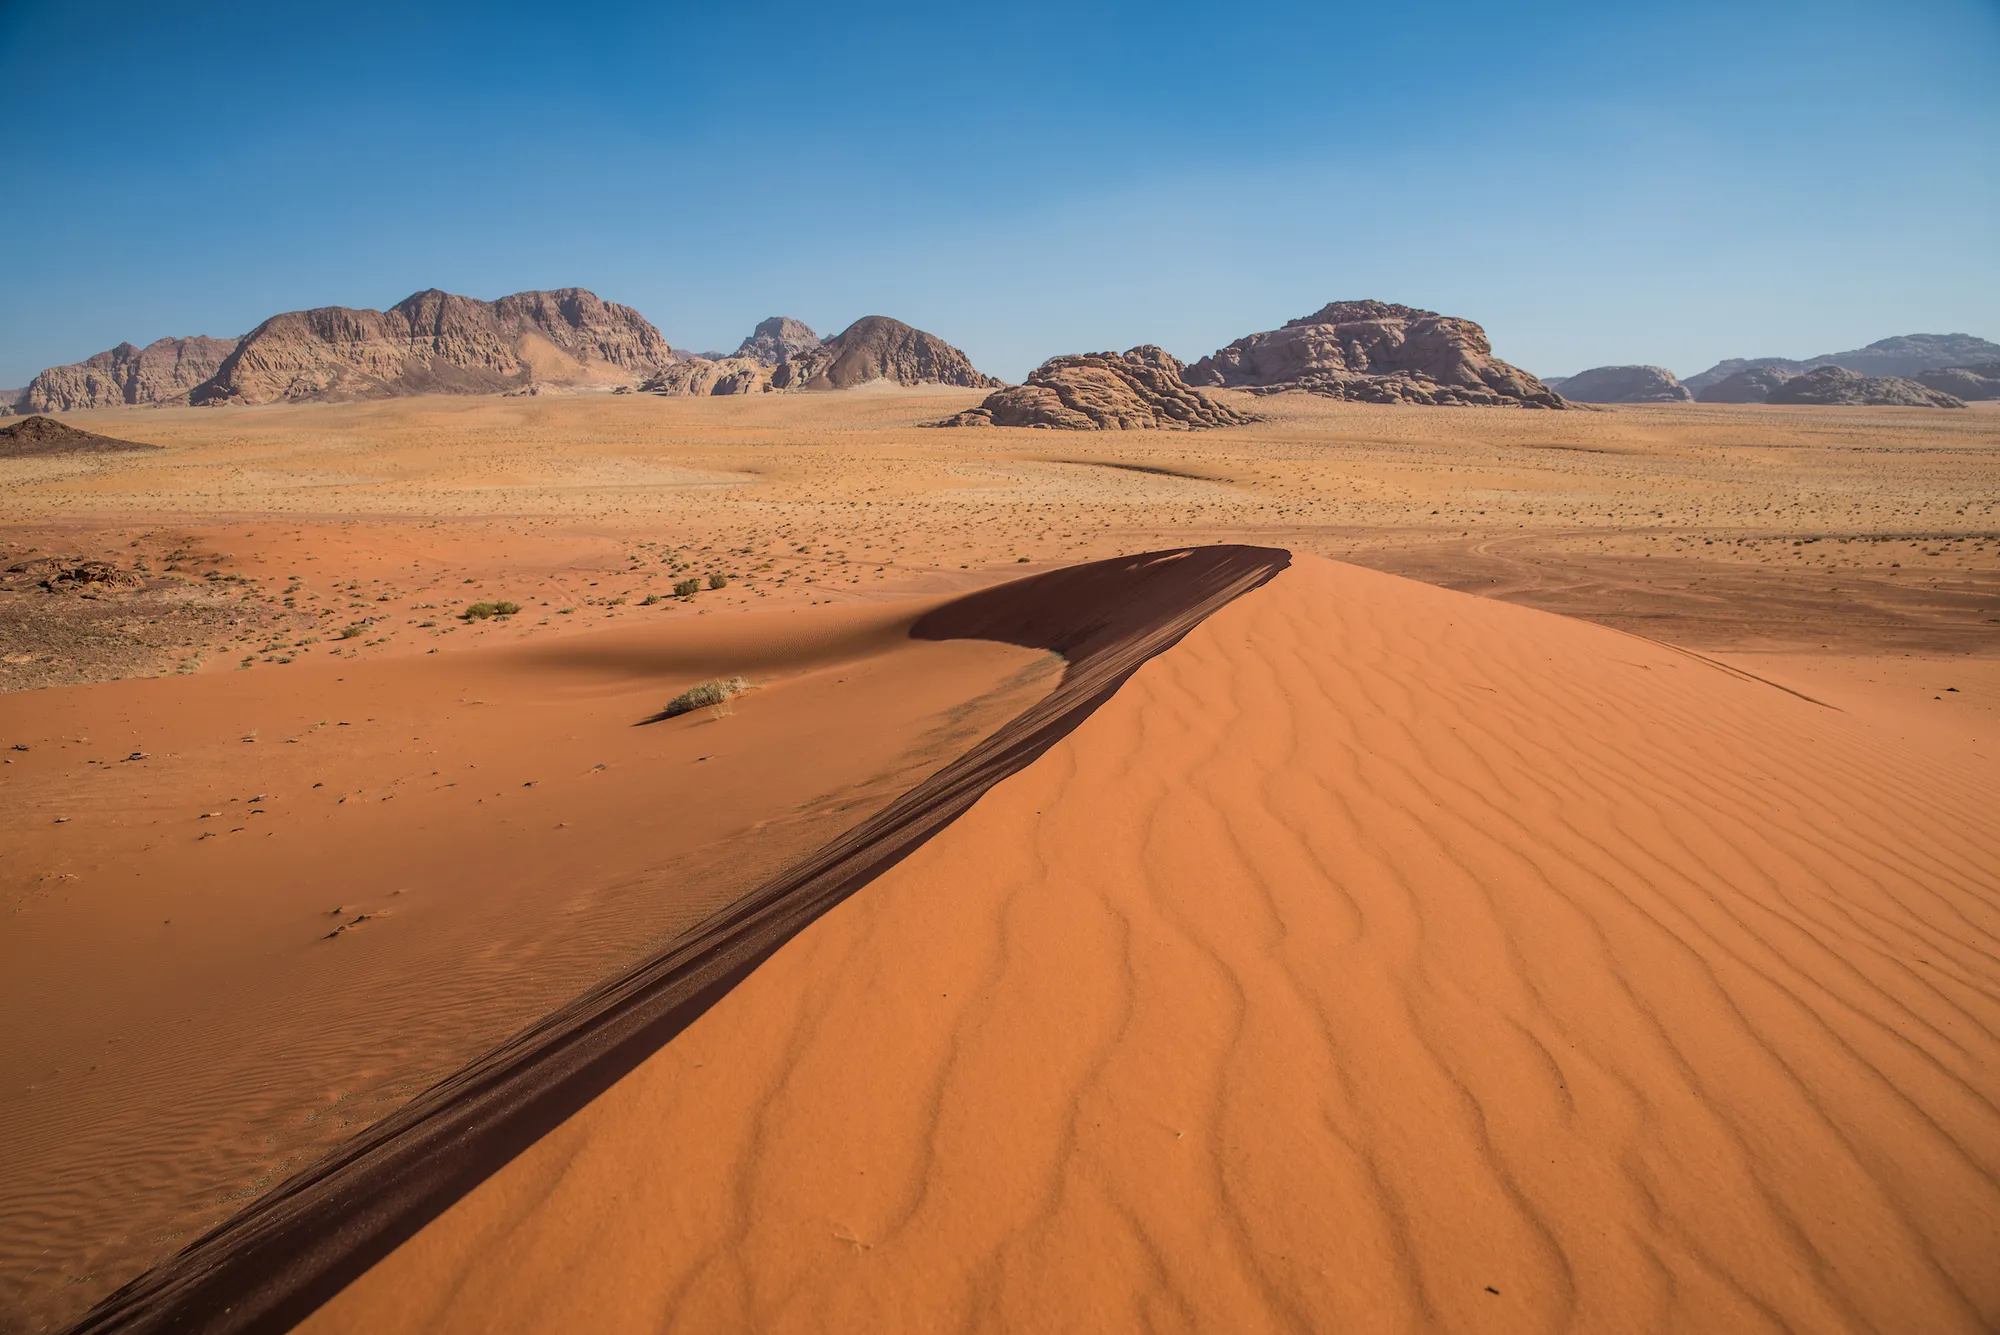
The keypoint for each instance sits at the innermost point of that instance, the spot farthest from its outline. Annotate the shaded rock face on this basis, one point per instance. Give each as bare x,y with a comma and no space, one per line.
1376,352
879,348
1903,355
33,436
1623,384
437,342
704,375
1141,390
777,339
1836,385
1752,385
1981,381
164,371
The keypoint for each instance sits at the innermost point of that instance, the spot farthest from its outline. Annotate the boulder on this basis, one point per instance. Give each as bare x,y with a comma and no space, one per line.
1838,386
879,348
1376,352
1622,384
1140,390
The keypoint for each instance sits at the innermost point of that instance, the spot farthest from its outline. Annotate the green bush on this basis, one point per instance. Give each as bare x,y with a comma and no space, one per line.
709,695
686,588
481,611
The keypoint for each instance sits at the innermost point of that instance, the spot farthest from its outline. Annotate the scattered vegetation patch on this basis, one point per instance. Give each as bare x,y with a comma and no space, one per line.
481,611
711,695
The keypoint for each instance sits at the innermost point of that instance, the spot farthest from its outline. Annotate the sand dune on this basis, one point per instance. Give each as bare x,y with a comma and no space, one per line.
1378,958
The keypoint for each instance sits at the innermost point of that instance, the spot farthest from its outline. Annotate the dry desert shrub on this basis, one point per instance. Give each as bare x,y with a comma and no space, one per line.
481,611
711,695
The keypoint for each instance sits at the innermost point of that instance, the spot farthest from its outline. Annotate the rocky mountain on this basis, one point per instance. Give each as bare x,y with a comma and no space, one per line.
1836,385
164,371
711,375
1751,385
435,342
1376,352
1140,390
1622,384
777,339
35,436
1979,381
876,347
1904,355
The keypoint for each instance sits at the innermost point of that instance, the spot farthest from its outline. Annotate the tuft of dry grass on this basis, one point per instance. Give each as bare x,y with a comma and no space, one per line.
711,695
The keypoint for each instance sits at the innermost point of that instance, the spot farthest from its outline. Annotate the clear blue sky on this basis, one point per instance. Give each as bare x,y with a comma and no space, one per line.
1595,183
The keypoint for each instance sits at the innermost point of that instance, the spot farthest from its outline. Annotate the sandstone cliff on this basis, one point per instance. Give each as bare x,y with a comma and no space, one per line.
1622,384
1903,355
1750,385
705,375
1980,381
437,342
876,347
164,371
1376,352
1838,386
778,339
1141,390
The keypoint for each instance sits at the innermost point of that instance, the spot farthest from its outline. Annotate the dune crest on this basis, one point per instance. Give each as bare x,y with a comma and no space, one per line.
1378,958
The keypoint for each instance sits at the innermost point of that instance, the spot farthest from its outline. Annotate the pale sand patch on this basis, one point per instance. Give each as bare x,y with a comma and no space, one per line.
1378,958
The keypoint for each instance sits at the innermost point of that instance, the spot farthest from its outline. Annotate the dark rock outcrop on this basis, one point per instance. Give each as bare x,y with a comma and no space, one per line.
876,347
164,371
1750,385
1141,390
777,339
1981,381
1376,352
34,436
437,342
1838,386
1622,384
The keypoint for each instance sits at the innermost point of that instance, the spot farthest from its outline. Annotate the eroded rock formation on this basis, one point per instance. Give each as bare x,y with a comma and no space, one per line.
1981,381
876,347
703,375
1376,352
164,371
34,436
1140,390
1623,384
778,339
1750,385
436,341
1838,386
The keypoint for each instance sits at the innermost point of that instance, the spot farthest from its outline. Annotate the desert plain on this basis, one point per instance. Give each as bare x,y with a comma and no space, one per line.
1564,895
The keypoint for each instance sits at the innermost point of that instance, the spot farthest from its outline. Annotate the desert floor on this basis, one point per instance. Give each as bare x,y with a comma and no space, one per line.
274,712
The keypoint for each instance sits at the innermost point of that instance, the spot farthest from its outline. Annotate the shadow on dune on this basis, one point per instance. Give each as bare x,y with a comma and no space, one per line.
294,1248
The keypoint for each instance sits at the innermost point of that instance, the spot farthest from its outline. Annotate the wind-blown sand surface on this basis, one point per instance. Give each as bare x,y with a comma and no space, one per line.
1377,958
298,567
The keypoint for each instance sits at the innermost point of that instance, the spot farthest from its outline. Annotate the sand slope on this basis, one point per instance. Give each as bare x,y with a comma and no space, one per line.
1378,958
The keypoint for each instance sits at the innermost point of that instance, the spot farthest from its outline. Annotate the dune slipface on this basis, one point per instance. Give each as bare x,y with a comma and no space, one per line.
1378,958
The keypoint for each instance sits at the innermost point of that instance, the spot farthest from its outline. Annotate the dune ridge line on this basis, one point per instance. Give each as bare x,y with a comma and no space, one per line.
279,1259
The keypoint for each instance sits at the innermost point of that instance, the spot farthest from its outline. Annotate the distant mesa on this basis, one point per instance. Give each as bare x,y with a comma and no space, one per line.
38,436
437,342
1905,355
1376,352
1622,384
1979,381
1139,390
1751,385
874,348
1836,385
165,371
778,339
